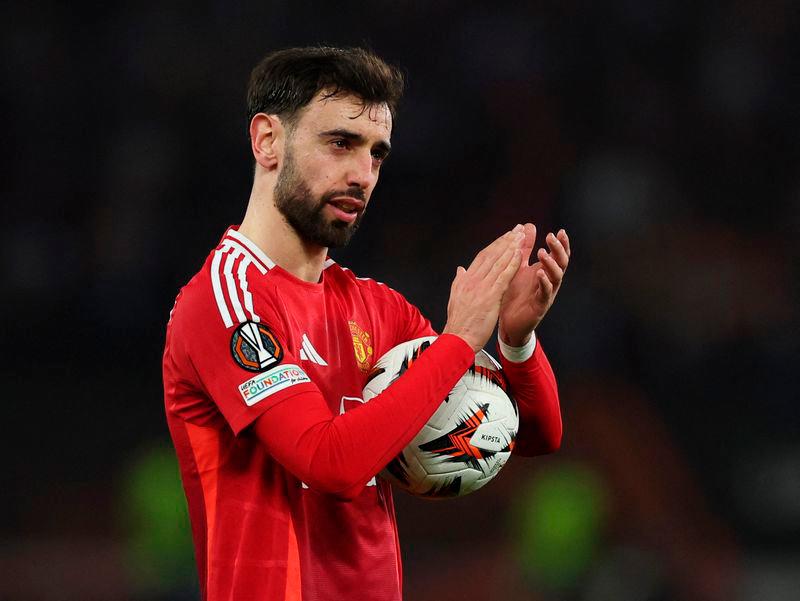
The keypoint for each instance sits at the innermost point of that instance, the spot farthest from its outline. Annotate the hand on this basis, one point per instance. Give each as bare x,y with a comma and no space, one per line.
476,292
534,287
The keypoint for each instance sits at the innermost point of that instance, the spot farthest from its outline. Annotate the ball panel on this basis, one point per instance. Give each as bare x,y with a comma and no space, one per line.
467,440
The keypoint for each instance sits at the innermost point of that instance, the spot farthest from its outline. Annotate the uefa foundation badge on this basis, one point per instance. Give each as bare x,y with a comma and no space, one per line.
254,347
263,385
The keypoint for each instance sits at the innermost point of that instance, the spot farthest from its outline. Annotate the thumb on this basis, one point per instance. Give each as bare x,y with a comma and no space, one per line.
459,272
454,286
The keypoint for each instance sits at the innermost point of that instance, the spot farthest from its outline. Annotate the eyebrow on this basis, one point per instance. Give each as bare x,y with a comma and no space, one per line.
383,145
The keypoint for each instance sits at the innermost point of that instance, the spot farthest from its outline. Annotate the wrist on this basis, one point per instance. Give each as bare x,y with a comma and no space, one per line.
516,340
459,341
518,353
467,339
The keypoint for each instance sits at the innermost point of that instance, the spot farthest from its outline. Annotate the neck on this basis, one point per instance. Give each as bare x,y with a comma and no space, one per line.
264,224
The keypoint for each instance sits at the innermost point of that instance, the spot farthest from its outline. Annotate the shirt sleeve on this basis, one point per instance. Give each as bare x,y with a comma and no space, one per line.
534,387
242,369
338,454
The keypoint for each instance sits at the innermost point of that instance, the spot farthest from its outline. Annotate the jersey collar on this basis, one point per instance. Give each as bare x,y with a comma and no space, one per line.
233,233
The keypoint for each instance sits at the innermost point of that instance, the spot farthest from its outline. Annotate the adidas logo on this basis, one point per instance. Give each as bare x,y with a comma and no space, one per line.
309,353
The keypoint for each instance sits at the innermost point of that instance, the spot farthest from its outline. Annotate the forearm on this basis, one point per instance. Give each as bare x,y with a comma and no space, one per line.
338,454
533,385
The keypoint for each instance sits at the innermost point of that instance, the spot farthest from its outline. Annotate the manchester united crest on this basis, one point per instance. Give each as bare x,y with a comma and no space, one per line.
362,346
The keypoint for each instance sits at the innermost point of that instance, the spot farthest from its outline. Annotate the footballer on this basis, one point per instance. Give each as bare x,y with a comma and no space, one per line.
269,345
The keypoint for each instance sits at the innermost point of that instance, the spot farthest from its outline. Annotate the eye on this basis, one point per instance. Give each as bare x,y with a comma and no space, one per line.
379,155
341,143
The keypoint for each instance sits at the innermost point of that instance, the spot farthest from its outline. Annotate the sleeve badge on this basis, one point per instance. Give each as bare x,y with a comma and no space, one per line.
254,347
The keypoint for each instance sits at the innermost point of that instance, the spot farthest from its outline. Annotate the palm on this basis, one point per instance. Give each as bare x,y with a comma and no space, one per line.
534,287
522,307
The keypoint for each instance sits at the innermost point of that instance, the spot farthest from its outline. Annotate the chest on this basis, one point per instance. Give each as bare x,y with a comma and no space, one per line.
331,335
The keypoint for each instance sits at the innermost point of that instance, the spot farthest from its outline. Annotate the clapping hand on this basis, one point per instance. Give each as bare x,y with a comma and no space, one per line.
534,287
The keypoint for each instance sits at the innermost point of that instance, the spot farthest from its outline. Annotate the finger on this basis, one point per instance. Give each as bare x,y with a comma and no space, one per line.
497,258
545,291
485,258
505,277
509,257
557,251
562,235
528,243
551,267
457,280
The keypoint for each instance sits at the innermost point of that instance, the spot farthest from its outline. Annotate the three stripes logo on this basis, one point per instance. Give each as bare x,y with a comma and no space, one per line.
309,353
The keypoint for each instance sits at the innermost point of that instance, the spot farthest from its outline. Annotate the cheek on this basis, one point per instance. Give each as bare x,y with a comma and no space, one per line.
325,172
316,172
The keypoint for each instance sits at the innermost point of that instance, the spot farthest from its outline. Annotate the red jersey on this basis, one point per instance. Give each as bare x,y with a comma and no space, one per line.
293,510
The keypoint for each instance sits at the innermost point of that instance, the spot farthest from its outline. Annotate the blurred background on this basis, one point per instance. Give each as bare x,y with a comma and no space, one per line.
662,134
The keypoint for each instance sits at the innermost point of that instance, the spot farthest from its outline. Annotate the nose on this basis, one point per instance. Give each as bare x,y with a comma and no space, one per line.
362,171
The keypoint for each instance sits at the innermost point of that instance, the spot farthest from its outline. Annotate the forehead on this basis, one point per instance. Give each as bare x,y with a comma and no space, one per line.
346,111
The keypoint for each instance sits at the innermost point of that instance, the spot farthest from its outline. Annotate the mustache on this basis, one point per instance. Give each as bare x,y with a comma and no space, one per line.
353,192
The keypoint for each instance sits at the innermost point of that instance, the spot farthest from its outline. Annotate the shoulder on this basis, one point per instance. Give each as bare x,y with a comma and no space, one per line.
342,277
221,293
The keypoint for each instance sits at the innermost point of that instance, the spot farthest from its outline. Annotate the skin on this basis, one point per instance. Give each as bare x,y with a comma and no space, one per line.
336,145
335,151
534,288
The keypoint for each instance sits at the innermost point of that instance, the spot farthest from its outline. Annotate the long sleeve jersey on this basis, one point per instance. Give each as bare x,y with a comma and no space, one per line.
263,376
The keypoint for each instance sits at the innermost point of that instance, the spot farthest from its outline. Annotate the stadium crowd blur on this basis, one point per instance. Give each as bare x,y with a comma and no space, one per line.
663,135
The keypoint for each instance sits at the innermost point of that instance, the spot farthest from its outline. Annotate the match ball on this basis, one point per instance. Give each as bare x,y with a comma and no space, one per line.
469,438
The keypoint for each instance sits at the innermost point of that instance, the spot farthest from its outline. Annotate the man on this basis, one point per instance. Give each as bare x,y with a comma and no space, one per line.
260,357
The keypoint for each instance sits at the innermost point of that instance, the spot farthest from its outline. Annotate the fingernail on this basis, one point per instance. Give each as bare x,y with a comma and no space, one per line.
517,228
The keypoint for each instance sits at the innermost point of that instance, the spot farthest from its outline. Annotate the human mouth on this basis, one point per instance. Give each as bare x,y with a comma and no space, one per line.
346,208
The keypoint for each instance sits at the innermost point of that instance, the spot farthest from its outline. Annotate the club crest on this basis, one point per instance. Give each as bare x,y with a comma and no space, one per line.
362,346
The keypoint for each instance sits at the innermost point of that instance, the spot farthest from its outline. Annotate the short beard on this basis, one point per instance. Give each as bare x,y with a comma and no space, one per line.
294,200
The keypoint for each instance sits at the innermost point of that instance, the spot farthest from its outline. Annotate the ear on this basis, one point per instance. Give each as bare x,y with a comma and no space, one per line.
266,140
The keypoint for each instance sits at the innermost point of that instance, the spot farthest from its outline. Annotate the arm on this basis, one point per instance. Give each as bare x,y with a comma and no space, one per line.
533,385
338,454
335,453
528,298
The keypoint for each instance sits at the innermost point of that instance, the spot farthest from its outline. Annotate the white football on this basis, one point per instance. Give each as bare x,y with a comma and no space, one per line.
468,439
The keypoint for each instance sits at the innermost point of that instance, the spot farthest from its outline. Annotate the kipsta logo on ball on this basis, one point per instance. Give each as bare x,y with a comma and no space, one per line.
254,347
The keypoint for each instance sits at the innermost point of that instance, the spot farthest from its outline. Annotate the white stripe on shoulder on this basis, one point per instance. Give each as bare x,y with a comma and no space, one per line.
233,244
370,280
233,293
248,298
252,247
231,251
217,286
359,278
328,262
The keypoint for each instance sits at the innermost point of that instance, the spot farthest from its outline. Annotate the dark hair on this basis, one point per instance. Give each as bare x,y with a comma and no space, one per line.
286,80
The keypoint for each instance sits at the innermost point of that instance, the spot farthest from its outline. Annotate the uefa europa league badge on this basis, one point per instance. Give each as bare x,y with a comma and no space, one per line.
254,347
